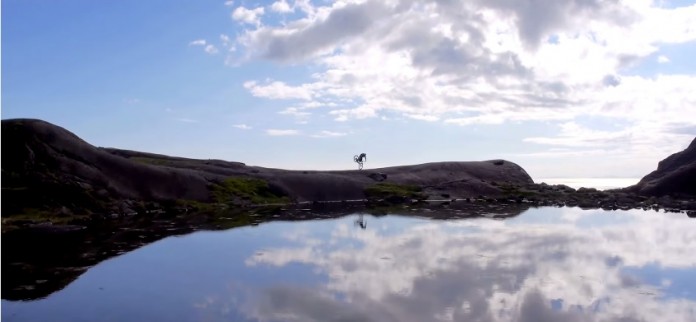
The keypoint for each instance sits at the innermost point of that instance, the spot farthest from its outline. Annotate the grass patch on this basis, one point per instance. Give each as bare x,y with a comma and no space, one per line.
516,191
37,216
247,190
385,190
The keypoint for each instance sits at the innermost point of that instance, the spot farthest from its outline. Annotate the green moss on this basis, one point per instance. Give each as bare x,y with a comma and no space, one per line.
249,190
516,191
384,190
36,216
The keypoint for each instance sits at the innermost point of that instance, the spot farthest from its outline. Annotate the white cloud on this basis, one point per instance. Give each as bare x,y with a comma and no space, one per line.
484,62
296,112
281,6
242,126
488,60
329,134
249,16
423,117
229,3
211,49
277,132
357,113
662,59
574,135
198,42
279,90
207,47
434,269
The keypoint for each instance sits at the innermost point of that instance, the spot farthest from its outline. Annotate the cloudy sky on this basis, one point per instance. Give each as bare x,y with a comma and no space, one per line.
565,88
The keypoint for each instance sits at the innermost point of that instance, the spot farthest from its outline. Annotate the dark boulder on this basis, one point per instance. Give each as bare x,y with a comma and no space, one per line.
675,175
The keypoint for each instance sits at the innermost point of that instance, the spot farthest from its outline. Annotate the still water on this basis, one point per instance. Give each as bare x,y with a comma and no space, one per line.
546,264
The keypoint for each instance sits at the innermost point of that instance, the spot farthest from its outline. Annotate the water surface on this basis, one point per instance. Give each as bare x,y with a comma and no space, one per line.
547,264
597,183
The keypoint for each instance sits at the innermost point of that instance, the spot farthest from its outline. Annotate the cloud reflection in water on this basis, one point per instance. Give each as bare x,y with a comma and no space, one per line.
546,265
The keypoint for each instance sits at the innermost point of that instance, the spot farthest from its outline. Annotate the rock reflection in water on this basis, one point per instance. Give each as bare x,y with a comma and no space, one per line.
548,264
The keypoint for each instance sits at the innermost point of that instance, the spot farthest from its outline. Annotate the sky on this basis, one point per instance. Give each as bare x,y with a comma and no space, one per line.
564,88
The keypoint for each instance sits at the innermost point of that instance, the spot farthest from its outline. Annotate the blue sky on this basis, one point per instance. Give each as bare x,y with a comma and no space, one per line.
564,88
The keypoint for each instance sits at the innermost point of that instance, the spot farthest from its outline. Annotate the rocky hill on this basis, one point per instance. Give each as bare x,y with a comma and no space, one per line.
675,176
45,167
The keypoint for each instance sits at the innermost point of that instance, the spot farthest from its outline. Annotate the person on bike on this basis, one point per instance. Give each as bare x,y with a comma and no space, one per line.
360,159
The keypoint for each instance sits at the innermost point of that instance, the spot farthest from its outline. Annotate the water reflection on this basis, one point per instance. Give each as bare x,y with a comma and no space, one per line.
549,264
360,222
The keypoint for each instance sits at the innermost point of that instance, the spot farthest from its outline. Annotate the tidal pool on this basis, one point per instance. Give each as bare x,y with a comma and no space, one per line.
546,264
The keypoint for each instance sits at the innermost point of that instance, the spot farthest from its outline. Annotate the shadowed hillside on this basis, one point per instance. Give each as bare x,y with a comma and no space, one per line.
675,175
45,167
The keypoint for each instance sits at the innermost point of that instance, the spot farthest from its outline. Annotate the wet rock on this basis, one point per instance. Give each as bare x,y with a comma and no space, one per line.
586,190
563,188
691,213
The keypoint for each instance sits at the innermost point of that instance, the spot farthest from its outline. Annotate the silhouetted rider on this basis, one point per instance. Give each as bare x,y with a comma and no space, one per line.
360,159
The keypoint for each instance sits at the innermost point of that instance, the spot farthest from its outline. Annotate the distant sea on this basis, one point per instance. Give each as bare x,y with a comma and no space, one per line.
597,183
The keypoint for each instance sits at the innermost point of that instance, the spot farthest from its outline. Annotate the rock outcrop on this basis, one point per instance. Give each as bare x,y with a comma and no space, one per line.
47,167
675,176
43,164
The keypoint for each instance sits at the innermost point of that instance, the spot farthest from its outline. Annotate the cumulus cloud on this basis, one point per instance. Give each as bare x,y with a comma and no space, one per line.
242,126
281,6
277,132
434,60
487,62
662,59
249,16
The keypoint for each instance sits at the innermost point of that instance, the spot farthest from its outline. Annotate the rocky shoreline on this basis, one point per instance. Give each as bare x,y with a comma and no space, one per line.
52,256
68,205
